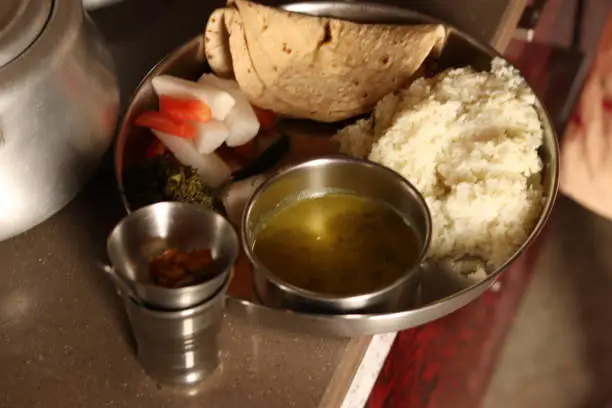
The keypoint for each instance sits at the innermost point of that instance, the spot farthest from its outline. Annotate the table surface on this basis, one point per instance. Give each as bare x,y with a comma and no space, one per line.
63,335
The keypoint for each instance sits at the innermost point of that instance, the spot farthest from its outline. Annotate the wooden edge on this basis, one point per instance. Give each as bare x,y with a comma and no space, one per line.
356,375
343,376
508,24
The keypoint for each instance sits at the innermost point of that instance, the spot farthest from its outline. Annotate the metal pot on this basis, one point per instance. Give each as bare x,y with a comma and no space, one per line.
59,101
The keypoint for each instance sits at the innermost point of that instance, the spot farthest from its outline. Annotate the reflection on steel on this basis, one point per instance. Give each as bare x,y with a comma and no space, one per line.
59,104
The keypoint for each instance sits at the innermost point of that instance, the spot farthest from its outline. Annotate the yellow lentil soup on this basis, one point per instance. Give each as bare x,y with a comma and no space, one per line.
337,244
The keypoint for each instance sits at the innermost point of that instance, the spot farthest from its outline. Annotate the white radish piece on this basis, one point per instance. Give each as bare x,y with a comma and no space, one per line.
210,136
220,102
242,122
212,170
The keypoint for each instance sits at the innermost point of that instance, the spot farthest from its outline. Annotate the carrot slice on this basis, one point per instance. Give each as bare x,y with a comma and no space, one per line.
185,108
167,124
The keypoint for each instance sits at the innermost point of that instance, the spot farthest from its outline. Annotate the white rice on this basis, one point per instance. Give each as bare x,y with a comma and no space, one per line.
468,141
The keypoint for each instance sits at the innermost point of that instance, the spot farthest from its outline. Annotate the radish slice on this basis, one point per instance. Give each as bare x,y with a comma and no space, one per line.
210,136
210,167
241,121
221,102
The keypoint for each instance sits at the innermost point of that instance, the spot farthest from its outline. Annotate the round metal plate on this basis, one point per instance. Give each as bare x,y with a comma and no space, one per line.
441,293
21,21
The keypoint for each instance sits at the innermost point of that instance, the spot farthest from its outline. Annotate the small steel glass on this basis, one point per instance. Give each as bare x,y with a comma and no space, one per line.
178,347
176,329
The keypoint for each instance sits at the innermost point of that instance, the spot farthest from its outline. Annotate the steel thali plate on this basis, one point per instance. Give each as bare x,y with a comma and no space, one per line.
441,292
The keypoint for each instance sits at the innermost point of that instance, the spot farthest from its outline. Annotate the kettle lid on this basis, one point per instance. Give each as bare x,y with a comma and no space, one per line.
21,22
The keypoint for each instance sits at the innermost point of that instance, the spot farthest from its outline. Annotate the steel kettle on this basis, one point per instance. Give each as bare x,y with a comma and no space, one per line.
59,102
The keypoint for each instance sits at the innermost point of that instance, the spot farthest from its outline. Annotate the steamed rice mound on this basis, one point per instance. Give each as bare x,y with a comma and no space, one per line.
468,141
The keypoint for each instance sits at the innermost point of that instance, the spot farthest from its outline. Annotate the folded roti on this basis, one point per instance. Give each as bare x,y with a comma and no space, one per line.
311,67
216,40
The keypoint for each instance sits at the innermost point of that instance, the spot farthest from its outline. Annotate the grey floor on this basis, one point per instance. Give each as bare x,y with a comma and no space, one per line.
559,351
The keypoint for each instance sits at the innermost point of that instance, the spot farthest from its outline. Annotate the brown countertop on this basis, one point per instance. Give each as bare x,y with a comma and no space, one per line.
63,336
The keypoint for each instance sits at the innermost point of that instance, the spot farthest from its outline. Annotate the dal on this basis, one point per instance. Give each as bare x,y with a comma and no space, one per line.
337,244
